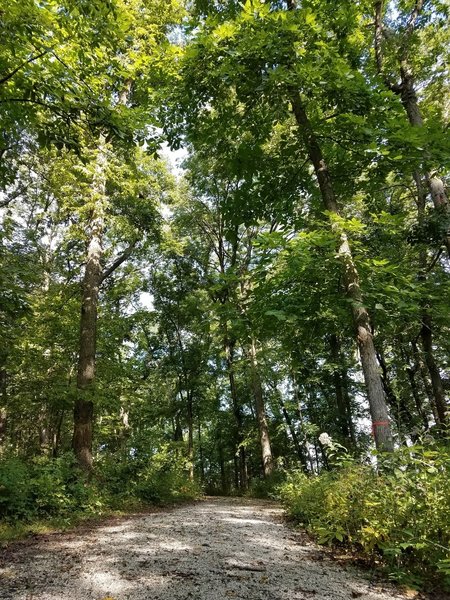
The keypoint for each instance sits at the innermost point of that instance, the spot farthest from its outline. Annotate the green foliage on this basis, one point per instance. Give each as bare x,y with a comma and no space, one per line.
268,487
400,512
42,488
53,488
238,250
159,479
167,487
14,488
164,478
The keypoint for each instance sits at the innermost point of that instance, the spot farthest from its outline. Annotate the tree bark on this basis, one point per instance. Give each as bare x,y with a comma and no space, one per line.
300,417
200,452
408,96
190,421
411,371
397,402
381,426
434,184
242,461
426,335
84,405
223,475
422,369
264,437
177,430
3,412
342,398
426,331
293,434
57,434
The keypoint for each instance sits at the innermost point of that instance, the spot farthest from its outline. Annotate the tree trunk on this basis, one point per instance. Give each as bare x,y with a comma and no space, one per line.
411,372
426,335
293,434
391,396
408,96
84,405
44,433
229,354
264,437
380,419
3,413
426,332
342,398
57,435
348,404
177,430
190,421
422,369
300,419
200,452
223,476
435,185
236,472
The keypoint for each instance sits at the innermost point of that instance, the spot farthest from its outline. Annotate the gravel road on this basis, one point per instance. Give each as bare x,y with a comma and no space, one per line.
217,549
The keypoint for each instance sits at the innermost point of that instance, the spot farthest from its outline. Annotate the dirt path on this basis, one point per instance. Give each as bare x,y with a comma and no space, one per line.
214,550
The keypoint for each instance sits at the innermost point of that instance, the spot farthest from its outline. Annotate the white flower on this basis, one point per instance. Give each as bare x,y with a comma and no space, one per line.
325,440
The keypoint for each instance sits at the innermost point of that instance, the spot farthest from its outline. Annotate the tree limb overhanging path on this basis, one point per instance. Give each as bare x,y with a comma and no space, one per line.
216,549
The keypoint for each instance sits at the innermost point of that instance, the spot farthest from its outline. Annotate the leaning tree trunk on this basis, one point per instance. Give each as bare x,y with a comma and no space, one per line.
264,437
434,184
84,405
381,425
408,96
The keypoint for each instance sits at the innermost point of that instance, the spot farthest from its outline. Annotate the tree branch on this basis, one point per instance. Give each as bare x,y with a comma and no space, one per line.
17,69
379,34
435,259
413,17
119,260
31,101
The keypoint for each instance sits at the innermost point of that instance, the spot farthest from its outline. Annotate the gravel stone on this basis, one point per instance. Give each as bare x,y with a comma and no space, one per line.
217,549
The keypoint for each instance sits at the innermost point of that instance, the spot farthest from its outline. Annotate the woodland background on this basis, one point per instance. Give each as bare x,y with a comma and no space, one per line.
271,318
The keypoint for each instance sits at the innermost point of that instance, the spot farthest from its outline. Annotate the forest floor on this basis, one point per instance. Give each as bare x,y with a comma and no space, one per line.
216,549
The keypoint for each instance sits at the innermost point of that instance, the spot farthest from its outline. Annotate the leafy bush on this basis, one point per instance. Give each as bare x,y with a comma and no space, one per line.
165,479
45,487
48,488
15,499
57,487
400,513
268,487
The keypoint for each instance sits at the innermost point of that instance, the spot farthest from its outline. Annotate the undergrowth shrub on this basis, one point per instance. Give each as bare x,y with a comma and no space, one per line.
15,498
400,513
268,487
42,488
165,478
47,488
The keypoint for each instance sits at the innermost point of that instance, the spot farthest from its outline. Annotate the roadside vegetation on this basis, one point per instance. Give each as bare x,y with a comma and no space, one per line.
224,264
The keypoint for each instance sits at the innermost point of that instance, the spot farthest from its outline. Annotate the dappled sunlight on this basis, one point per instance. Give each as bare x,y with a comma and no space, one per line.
175,545
243,522
211,551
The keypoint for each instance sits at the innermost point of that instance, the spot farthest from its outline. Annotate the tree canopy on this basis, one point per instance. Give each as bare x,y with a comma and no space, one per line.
276,305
